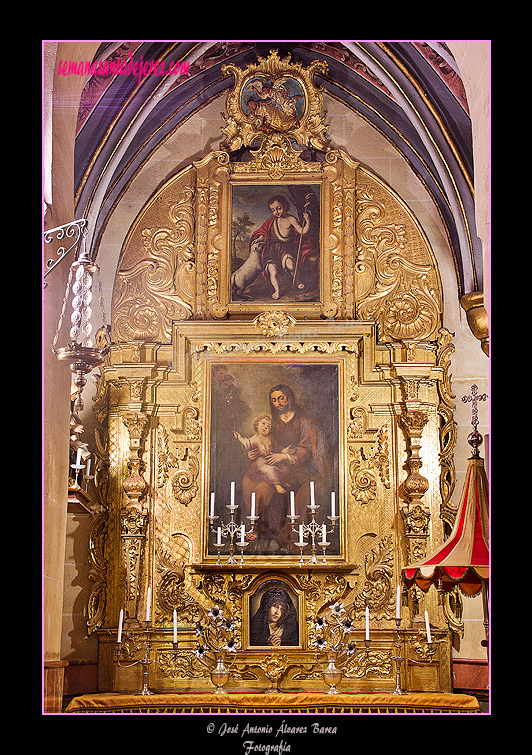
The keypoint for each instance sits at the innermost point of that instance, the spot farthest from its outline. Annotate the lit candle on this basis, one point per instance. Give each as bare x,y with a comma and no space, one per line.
312,493
212,504
148,605
367,622
253,504
175,626
120,622
232,494
242,533
292,504
333,506
398,603
427,624
78,459
219,536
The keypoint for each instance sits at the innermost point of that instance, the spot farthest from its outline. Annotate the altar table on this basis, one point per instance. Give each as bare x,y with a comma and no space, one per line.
260,703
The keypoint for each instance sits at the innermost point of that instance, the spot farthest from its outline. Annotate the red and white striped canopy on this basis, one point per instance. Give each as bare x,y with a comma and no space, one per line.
463,558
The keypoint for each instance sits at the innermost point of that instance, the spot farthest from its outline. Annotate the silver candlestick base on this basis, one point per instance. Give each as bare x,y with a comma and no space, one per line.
144,660
398,658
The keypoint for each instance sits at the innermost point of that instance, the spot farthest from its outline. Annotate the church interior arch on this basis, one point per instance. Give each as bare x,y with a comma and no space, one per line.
403,111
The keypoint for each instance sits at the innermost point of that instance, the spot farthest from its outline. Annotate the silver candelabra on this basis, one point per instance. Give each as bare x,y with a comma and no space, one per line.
144,660
312,529
231,529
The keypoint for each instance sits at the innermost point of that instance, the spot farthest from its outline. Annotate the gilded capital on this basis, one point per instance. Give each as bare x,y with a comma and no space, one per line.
477,317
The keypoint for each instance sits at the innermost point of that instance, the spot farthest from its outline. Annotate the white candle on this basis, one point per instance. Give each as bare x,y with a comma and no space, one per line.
120,622
427,624
253,504
367,622
292,504
323,534
333,506
398,603
232,494
219,536
300,533
312,493
212,504
242,533
78,459
148,605
175,626
88,467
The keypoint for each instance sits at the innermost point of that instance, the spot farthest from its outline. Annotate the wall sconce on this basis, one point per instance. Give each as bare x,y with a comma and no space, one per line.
80,353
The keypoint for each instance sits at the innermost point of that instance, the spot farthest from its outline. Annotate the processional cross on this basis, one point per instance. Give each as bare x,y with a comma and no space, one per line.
475,439
474,397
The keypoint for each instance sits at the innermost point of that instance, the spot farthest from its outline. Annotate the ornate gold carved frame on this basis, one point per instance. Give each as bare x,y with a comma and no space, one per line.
374,320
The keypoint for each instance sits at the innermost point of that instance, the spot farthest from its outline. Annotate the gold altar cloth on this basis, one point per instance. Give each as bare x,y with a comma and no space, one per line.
415,702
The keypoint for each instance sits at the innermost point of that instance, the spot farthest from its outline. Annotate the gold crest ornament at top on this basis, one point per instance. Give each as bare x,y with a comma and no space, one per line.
275,96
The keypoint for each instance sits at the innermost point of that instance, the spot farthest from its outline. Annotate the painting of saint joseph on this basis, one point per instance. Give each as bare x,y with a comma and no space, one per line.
274,429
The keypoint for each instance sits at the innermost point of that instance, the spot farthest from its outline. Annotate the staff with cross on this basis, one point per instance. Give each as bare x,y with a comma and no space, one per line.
474,397
474,439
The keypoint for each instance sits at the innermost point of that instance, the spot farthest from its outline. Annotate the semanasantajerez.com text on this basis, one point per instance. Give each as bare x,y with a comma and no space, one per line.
129,67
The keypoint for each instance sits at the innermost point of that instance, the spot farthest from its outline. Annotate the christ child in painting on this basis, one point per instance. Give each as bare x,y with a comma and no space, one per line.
263,443
282,236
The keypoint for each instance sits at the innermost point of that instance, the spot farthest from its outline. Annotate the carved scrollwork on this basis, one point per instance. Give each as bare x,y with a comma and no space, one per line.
182,467
184,481
453,611
396,290
416,520
378,590
448,427
172,593
298,113
274,323
364,480
160,286
181,664
364,483
97,572
275,157
375,663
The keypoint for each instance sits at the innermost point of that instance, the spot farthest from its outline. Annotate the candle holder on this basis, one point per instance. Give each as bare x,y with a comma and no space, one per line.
86,479
144,660
398,658
230,530
331,642
217,646
77,469
312,529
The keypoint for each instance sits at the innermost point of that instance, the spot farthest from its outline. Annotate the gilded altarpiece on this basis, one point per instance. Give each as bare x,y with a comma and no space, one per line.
355,330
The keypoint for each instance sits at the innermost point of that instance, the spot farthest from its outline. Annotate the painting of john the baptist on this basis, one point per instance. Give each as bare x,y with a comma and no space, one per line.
275,243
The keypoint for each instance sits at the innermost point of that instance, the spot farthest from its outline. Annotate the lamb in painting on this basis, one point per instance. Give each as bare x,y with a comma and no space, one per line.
249,269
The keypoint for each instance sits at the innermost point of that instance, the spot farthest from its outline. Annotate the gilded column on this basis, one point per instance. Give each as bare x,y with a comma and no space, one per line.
134,515
415,513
